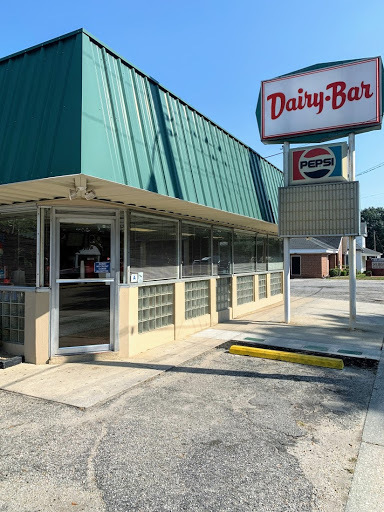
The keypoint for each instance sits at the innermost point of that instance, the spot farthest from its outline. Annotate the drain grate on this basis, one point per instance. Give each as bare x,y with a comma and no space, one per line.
352,352
315,348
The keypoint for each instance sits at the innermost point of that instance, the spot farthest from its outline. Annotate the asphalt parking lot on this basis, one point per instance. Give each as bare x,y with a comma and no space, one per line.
366,291
220,433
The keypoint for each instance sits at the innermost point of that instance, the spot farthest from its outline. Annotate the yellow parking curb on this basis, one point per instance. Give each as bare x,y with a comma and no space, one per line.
291,357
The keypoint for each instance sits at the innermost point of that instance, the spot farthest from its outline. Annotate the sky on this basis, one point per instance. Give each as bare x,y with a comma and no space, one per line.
214,53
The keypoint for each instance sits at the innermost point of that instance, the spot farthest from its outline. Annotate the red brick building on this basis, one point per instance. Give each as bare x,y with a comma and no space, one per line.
315,256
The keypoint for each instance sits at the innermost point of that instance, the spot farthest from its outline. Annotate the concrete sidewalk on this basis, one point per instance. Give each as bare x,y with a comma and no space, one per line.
318,325
367,489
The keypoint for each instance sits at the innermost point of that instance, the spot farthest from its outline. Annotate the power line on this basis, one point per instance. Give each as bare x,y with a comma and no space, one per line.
269,156
370,169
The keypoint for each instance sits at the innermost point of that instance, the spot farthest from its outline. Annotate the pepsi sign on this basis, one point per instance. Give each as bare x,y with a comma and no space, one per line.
318,164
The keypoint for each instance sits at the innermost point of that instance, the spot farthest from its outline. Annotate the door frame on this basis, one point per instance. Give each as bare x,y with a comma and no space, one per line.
112,218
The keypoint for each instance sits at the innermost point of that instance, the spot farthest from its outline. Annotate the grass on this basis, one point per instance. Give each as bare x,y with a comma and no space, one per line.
362,277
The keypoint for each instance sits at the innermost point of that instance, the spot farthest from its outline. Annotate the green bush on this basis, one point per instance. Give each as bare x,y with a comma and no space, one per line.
368,273
333,272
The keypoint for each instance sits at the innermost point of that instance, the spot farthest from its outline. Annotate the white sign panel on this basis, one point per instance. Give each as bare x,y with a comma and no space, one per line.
322,100
378,263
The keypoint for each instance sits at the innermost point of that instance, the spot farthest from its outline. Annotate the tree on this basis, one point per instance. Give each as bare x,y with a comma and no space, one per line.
374,217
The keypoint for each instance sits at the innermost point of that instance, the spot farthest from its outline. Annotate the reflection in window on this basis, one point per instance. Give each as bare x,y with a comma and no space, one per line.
153,247
47,244
261,253
275,253
222,251
196,249
244,252
18,249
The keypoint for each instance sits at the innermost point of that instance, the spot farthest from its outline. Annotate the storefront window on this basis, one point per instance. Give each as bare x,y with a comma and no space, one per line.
275,253
222,251
153,248
196,248
261,253
244,252
18,233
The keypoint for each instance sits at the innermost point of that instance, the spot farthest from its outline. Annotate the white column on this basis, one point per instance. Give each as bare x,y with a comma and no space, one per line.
352,282
352,240
287,258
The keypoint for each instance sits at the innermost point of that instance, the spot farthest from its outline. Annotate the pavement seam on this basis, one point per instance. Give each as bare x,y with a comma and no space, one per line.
91,473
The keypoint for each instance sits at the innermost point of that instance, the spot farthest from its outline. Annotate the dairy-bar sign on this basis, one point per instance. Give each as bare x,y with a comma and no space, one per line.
328,99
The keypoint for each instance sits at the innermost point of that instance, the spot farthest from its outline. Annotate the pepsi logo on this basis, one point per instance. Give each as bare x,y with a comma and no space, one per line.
317,163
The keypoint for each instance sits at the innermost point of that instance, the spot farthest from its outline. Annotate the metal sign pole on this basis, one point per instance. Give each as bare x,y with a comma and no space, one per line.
352,240
287,257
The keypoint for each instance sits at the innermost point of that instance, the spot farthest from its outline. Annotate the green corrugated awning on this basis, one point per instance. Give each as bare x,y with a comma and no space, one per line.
73,106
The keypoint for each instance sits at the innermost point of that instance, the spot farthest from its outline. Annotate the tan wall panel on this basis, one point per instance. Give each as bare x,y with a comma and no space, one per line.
142,342
124,321
36,340
13,349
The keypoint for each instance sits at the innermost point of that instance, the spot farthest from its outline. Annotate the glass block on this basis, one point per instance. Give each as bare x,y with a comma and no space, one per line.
156,308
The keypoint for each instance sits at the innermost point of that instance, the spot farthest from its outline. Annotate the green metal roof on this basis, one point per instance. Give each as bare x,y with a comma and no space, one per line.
71,105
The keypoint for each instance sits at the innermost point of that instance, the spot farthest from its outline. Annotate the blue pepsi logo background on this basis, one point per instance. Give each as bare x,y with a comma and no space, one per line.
317,164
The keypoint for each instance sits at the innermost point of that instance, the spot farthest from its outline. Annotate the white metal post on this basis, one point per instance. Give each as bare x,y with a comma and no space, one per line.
352,240
287,258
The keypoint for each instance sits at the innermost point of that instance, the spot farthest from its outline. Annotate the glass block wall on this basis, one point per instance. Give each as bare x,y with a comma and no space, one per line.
12,317
223,294
196,299
245,289
156,307
262,286
276,283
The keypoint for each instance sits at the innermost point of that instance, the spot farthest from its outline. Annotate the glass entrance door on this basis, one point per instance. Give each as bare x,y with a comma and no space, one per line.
84,293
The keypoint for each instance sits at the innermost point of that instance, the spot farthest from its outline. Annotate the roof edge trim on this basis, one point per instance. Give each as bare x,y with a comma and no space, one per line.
45,43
